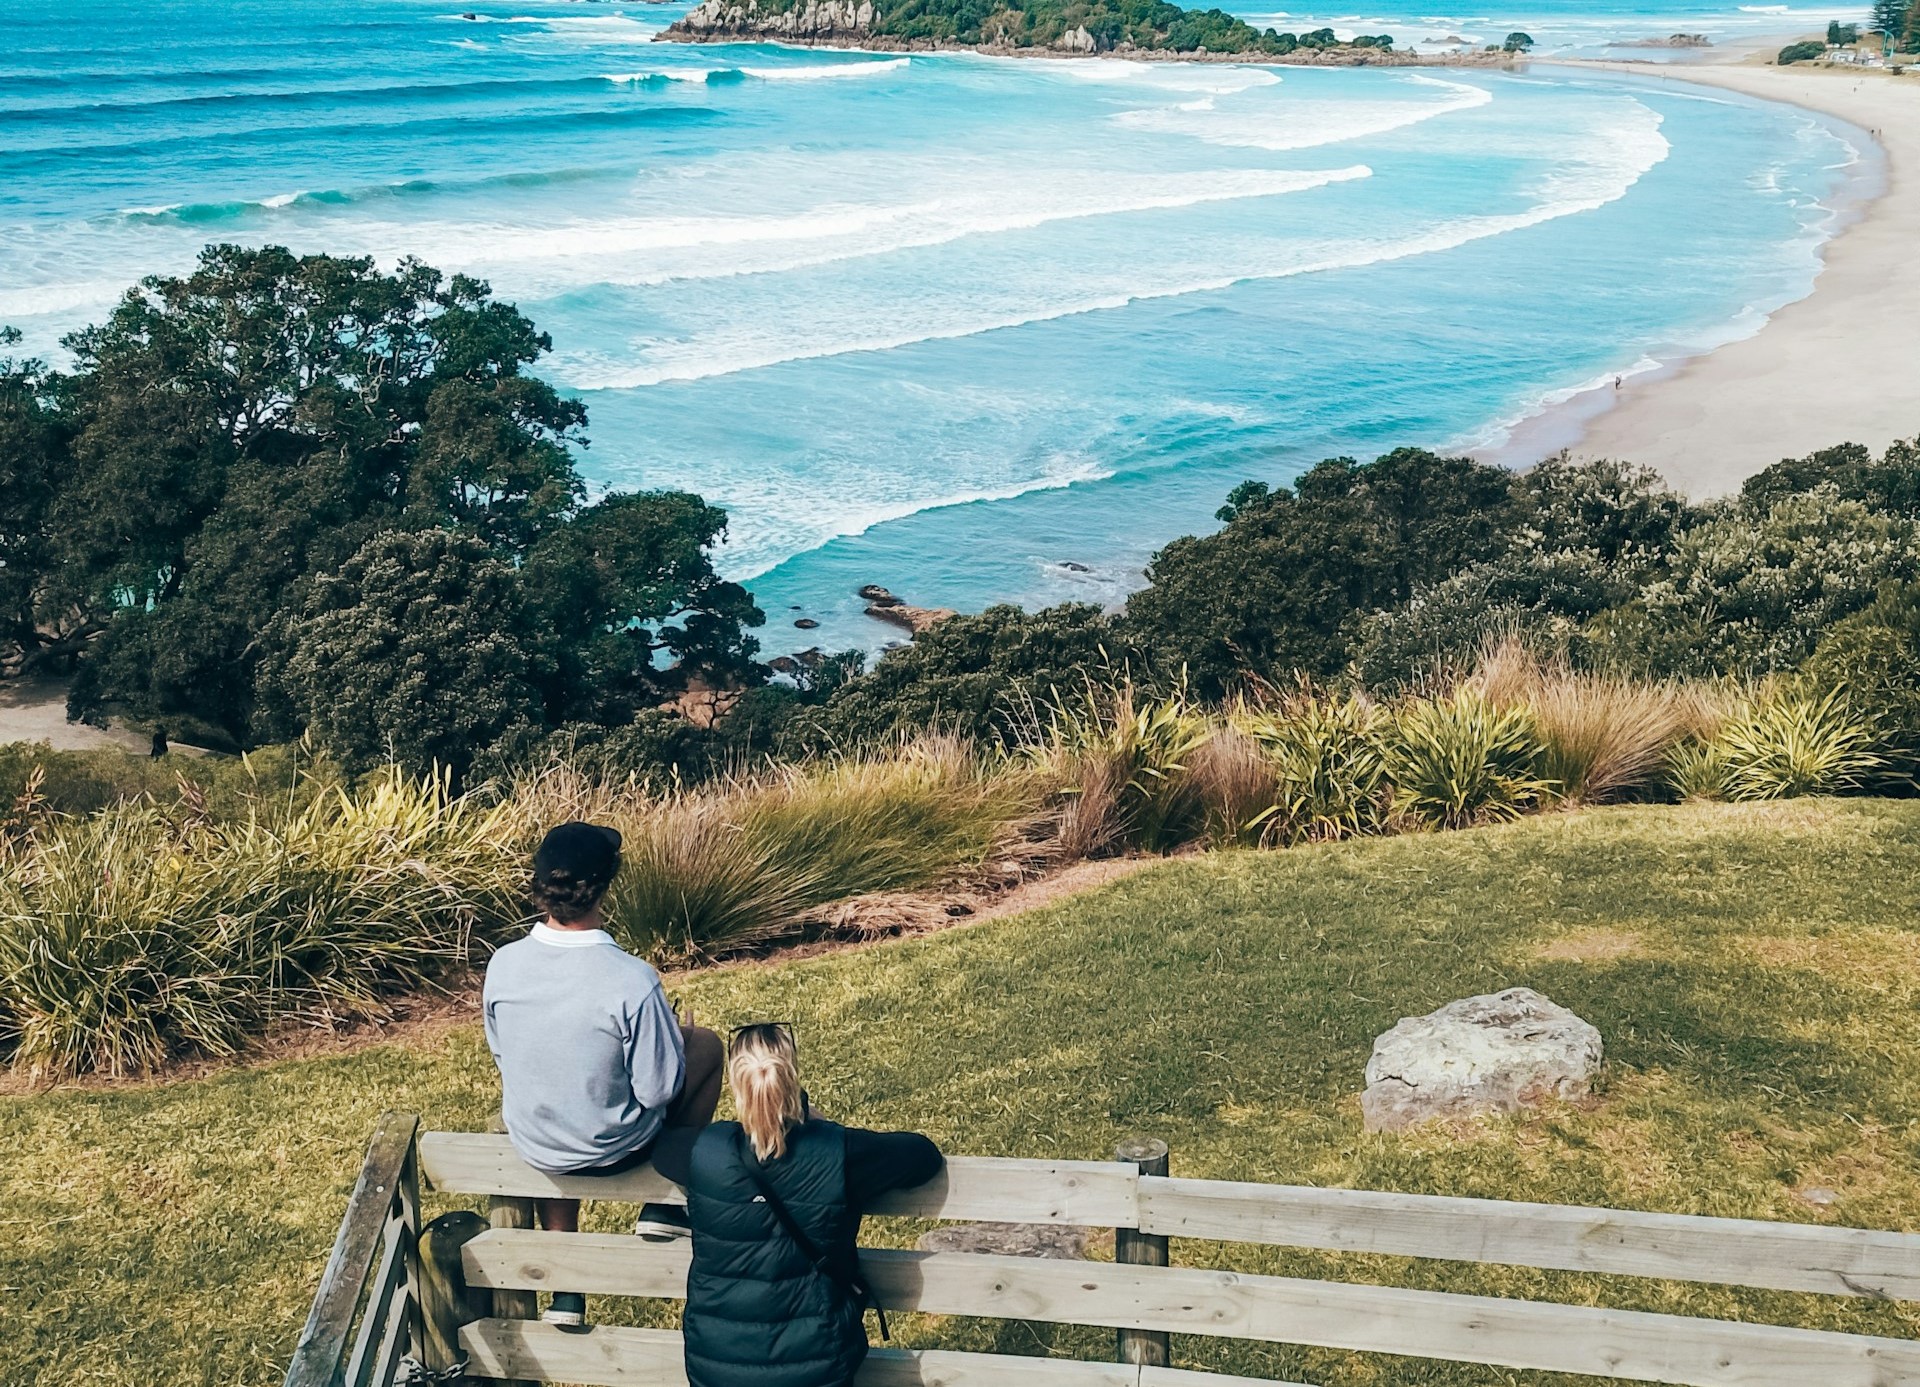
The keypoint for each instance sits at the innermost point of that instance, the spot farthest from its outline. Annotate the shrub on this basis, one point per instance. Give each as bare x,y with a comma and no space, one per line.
1796,744
1543,599
133,935
742,862
1751,594
970,675
1801,52
1876,654
1121,763
1324,755
1602,736
1462,760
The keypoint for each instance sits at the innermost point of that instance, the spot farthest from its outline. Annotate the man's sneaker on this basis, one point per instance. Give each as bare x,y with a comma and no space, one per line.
662,1223
568,1308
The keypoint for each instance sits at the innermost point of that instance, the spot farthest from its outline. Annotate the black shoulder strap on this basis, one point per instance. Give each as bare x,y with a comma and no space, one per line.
851,1283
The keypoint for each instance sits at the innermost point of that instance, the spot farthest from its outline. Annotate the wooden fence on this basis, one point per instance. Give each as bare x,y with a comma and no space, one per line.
1139,1296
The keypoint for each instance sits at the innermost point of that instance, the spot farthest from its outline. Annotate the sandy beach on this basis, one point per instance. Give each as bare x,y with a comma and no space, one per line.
1836,366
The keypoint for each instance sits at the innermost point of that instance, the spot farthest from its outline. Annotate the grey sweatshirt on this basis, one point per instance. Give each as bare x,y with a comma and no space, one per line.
588,1048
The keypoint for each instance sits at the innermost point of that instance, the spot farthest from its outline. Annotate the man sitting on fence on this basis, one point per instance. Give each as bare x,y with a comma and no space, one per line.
597,1074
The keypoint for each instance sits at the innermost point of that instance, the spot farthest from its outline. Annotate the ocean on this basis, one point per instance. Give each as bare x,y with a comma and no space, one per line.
975,329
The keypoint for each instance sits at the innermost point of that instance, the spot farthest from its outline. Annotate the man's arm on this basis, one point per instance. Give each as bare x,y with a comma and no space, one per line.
656,1055
878,1162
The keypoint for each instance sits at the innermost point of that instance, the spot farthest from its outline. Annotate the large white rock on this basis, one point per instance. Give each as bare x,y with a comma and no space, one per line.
1498,1053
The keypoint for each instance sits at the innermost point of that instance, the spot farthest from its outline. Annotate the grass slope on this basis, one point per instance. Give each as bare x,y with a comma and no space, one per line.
1754,970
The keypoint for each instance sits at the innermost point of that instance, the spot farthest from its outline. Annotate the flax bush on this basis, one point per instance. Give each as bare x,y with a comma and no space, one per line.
1123,762
1463,760
1327,766
1782,744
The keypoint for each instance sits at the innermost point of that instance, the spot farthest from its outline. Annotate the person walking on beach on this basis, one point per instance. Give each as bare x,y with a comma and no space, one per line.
597,1074
775,1297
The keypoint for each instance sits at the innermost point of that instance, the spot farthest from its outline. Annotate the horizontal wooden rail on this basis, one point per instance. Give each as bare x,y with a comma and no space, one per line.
1674,1247
1090,1194
1371,1319
608,1356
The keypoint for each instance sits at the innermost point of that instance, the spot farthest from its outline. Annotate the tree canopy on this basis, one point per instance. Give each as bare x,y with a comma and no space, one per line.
264,478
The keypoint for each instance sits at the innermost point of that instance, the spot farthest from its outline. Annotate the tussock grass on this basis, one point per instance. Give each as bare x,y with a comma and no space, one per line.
1122,760
155,928
171,1236
712,871
130,936
1602,737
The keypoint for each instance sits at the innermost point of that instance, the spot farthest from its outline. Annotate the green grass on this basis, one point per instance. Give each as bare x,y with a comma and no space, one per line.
1754,969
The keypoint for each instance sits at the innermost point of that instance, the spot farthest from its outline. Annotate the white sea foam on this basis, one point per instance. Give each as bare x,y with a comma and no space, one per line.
1605,169
1060,473
817,71
677,74
1224,80
36,300
1304,125
655,250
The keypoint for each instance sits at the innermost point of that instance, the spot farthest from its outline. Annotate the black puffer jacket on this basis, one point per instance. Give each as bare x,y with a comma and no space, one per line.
758,1314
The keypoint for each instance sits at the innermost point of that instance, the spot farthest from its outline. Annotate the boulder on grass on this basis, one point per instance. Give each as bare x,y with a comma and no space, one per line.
1498,1053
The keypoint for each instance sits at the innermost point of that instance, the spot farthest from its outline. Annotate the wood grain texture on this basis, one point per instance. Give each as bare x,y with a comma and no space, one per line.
1678,1247
1426,1324
1089,1194
610,1356
319,1357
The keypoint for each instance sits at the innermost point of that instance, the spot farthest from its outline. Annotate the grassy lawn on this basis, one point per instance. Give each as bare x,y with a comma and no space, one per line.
1753,969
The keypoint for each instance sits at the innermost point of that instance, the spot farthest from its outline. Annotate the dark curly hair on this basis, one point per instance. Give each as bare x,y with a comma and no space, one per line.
562,896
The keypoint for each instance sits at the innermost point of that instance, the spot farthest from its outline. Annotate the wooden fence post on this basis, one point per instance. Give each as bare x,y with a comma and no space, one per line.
446,1301
1145,1347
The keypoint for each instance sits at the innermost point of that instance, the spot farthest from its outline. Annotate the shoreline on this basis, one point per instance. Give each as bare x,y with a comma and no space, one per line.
1830,367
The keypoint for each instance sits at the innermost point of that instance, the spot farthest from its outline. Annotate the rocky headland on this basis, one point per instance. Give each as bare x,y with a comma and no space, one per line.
852,24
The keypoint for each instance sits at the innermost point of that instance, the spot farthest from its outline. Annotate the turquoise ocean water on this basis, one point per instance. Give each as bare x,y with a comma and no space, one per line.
975,329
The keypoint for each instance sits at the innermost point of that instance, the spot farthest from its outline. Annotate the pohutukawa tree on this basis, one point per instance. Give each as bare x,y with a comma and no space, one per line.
264,479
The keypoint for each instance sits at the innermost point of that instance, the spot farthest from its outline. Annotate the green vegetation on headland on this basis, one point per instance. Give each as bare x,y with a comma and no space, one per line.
1753,968
1082,26
296,497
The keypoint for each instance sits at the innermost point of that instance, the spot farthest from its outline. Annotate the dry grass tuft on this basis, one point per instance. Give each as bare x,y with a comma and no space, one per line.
1604,737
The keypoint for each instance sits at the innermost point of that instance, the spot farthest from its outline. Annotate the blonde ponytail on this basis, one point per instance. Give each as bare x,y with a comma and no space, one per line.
763,1069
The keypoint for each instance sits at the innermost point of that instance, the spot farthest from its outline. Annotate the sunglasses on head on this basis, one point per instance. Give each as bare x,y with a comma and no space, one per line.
784,1026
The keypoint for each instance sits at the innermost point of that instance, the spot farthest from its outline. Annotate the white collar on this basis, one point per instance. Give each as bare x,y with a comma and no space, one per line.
570,938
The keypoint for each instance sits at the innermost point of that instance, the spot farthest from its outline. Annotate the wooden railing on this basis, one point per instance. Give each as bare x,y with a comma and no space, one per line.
1145,1300
373,1277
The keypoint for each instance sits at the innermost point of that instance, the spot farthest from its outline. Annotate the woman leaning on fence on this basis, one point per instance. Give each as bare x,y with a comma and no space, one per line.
775,1297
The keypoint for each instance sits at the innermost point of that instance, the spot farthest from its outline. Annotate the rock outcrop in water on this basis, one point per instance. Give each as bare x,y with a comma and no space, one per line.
887,607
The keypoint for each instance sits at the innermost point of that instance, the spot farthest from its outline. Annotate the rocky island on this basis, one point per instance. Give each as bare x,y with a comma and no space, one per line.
1143,29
